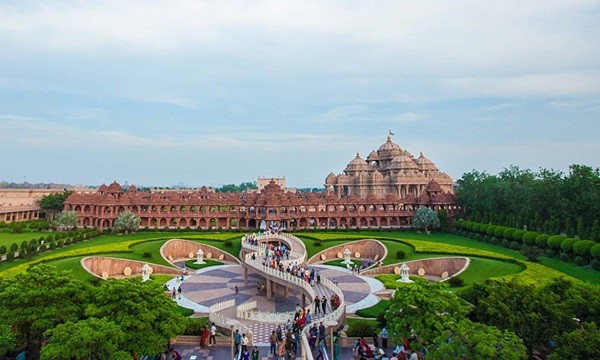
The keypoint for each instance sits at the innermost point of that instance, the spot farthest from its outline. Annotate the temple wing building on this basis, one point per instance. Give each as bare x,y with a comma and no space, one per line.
389,170
383,191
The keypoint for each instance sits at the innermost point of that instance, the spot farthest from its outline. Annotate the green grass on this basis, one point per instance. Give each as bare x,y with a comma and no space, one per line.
190,264
373,311
481,269
579,272
8,238
338,262
184,311
353,321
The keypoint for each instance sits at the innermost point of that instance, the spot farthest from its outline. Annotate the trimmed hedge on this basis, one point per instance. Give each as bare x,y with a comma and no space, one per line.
555,241
583,247
541,240
476,227
529,237
518,235
499,231
595,251
508,233
567,244
483,228
491,229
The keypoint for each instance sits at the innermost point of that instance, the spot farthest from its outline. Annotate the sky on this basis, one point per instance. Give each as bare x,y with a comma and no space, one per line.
218,92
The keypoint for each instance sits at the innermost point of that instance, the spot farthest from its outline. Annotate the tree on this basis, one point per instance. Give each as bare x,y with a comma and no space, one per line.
444,223
88,339
66,219
17,227
54,203
140,309
38,300
425,310
579,344
471,340
426,218
127,222
8,339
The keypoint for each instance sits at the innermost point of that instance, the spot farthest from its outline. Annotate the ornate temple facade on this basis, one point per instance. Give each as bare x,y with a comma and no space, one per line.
389,170
384,191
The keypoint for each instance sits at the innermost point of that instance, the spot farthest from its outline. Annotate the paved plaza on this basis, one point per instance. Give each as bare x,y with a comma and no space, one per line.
224,353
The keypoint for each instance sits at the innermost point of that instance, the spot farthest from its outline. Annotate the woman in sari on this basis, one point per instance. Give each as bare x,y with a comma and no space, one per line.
203,336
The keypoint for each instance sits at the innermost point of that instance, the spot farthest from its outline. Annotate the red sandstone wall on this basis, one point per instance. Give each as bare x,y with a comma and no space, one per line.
367,248
116,267
180,249
433,266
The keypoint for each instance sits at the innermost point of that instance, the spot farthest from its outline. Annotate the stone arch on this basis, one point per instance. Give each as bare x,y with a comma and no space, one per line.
282,210
163,222
202,223
252,223
343,222
105,224
183,223
303,223
393,221
363,222
121,209
361,208
87,221
233,223
86,209
153,222
135,209
242,223
107,210
383,222
213,222
77,208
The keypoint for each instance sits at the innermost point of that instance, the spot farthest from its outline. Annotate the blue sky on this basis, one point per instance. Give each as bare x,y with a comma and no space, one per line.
214,92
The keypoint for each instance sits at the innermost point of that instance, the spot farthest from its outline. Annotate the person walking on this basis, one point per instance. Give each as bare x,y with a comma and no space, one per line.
212,341
273,342
321,348
317,304
237,340
255,353
375,339
244,343
384,337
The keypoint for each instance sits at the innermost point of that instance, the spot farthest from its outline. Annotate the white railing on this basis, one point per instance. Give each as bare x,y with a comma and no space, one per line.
244,308
224,321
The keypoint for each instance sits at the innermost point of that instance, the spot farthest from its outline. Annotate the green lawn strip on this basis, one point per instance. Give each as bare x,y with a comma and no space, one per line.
73,264
338,262
353,321
373,311
481,269
190,264
583,273
9,238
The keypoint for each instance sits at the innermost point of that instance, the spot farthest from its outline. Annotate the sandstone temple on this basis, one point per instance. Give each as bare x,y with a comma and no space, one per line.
385,190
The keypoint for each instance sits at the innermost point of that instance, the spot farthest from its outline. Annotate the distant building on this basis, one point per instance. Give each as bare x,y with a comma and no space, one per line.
264,181
384,192
22,204
389,171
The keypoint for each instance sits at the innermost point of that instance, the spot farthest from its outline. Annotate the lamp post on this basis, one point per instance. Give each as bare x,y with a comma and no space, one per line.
332,324
232,323
347,259
146,272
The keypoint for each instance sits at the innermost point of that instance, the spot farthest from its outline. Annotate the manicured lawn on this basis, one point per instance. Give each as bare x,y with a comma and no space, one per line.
578,272
7,238
481,269
338,262
190,264
373,311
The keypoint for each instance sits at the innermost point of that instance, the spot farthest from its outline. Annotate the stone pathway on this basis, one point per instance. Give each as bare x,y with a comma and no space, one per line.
224,352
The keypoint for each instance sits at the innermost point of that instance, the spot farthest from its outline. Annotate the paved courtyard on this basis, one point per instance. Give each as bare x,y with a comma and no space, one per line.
224,353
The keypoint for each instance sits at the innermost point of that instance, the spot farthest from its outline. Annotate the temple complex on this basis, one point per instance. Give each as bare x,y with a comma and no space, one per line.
383,191
389,170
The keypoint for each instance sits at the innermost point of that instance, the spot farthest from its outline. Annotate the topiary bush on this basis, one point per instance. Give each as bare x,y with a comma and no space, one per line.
491,229
541,240
565,257
529,237
595,263
595,251
579,260
555,241
505,243
508,233
317,243
2,250
583,247
483,229
499,231
518,235
147,255
228,243
567,244
515,245
400,254
549,253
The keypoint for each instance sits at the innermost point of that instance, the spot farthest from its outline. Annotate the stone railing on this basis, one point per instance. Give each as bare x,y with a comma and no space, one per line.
224,322
245,307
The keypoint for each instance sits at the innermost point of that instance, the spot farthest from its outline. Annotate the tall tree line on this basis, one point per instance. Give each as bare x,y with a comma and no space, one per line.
546,201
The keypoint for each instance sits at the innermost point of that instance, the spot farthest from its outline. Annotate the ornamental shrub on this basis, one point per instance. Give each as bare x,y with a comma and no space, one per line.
595,251
228,243
476,227
52,246
317,243
458,223
567,244
499,231
583,247
549,253
565,257
456,281
505,243
14,247
518,235
554,241
491,229
10,256
483,228
469,225
2,250
508,233
541,240
515,245
400,254
529,237
595,263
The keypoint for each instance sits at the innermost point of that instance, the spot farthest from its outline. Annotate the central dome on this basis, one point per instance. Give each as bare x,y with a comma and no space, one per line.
388,147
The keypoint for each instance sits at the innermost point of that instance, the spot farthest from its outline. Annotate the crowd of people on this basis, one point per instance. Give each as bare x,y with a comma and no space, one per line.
362,350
